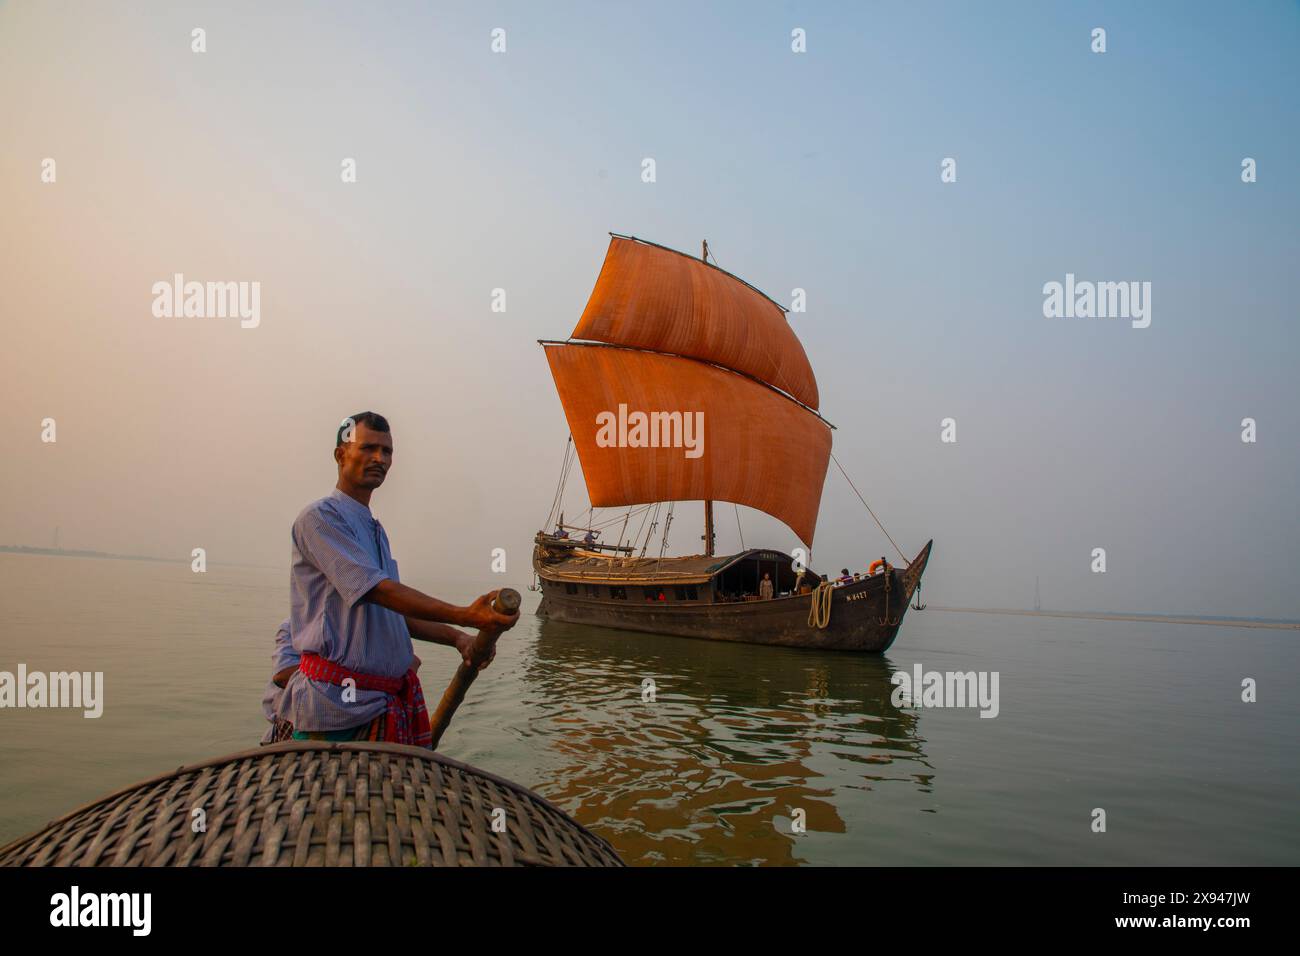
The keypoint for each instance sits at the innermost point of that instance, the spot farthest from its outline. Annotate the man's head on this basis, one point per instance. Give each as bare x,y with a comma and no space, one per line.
363,448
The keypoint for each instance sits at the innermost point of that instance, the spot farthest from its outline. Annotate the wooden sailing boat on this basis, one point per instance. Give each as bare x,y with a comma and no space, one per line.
682,382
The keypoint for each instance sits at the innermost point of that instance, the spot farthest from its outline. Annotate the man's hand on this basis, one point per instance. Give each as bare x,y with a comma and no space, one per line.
412,604
465,644
482,615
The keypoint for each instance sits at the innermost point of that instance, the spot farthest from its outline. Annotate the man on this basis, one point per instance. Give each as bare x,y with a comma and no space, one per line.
589,538
765,587
351,619
284,661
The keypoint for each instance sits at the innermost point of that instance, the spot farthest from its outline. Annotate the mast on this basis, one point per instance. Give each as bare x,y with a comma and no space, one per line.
708,505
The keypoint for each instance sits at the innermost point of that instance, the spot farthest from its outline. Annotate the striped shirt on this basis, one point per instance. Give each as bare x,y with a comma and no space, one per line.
340,552
283,656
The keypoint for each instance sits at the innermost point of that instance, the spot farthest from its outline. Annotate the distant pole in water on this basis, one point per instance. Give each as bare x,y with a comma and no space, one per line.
1038,605
708,505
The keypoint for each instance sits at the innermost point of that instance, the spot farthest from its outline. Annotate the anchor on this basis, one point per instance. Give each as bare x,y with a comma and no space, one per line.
918,606
888,621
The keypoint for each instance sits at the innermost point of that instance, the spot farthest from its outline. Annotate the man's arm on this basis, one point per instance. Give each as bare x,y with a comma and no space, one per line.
434,633
442,634
285,657
324,540
411,603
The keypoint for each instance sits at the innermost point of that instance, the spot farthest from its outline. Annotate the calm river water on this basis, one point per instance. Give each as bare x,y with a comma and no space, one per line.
1143,720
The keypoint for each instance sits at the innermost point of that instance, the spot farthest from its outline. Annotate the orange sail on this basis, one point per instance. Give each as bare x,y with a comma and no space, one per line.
651,427
649,297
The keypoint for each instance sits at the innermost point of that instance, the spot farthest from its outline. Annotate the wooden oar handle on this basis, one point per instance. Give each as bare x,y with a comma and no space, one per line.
506,602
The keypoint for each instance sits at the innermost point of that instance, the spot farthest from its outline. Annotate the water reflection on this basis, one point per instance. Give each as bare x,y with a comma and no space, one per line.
735,737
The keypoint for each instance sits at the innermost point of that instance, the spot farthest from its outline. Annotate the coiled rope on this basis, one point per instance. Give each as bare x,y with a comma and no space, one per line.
819,614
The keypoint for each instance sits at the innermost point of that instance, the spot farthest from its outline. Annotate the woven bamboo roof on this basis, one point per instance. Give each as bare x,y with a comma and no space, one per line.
316,803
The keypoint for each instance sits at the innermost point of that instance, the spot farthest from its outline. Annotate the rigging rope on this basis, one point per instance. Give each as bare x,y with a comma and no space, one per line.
654,523
819,614
644,518
738,531
624,531
869,511
668,523
559,487
614,520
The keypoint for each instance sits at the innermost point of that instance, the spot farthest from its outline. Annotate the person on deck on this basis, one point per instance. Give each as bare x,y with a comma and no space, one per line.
352,621
765,587
589,538
845,577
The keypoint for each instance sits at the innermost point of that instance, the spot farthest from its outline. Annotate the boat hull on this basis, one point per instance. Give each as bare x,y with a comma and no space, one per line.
865,616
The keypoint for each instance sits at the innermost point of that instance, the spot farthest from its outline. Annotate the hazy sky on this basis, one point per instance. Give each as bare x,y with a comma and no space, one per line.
479,170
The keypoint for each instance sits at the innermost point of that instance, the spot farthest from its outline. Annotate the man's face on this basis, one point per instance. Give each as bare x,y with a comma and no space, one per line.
364,461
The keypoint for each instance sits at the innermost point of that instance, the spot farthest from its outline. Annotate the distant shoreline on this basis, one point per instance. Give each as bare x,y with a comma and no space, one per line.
1140,618
67,553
